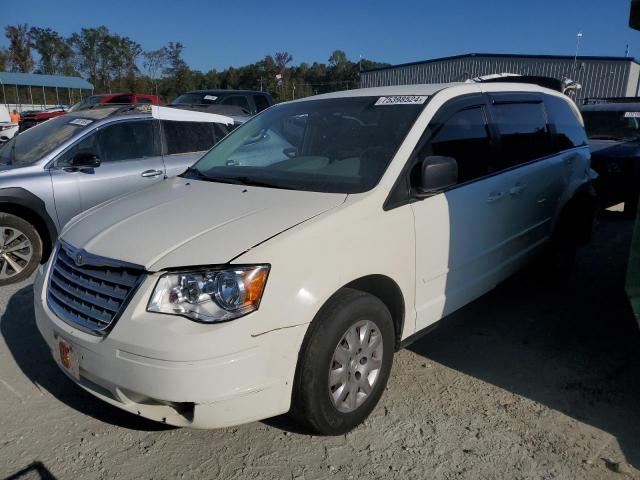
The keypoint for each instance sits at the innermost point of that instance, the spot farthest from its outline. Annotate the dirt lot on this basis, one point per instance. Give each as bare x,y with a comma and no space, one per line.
535,380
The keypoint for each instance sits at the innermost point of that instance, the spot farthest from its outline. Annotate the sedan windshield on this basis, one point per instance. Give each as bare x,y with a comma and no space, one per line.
33,144
341,145
612,125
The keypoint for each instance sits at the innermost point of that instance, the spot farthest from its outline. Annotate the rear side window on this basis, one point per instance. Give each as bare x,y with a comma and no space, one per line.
568,130
261,102
464,136
127,141
185,137
524,134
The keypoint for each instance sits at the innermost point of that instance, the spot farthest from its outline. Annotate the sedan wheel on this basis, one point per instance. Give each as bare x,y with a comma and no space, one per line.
16,252
20,249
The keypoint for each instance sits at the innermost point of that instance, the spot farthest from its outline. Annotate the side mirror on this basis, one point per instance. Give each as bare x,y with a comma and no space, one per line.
85,160
436,174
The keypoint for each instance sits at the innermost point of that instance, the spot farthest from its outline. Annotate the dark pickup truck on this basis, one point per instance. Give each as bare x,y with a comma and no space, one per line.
613,128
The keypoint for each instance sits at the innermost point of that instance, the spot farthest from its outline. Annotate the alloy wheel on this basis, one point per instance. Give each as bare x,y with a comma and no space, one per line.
16,252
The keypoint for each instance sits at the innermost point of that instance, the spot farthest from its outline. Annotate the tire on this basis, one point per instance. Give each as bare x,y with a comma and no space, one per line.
323,399
20,249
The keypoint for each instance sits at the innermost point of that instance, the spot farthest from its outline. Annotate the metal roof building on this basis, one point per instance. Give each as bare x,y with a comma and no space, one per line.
599,76
11,82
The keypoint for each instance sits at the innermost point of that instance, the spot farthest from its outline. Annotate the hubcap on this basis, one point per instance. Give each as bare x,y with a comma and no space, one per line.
15,252
355,366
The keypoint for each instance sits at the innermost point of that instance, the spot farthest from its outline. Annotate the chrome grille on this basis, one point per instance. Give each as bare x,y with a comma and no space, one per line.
88,291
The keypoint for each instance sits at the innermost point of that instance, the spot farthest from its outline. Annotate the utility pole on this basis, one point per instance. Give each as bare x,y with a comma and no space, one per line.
575,58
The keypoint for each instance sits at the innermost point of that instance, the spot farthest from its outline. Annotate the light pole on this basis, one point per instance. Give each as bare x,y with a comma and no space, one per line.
575,57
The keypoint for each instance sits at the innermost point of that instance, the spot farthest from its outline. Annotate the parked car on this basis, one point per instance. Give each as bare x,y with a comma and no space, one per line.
252,102
243,290
60,168
7,128
30,118
613,128
115,98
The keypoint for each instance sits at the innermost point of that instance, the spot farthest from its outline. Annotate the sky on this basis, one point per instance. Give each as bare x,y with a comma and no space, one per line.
234,33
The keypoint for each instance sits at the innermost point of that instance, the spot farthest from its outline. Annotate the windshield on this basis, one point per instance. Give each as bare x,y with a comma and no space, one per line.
201,98
33,144
612,125
86,103
339,145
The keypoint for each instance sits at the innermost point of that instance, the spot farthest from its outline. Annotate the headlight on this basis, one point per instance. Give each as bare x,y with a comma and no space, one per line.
210,295
6,127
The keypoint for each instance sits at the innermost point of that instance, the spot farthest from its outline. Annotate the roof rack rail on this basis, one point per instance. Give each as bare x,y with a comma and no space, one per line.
123,107
597,100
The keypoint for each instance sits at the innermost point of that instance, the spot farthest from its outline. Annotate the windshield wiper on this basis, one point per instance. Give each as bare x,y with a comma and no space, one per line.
241,180
605,137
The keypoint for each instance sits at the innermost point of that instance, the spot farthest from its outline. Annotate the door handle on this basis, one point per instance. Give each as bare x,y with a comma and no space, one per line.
494,197
151,173
517,189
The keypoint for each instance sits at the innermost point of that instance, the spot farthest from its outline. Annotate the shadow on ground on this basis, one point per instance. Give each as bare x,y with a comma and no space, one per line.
573,345
32,355
34,471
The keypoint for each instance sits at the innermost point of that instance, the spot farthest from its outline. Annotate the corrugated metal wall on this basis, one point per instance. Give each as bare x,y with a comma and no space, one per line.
598,77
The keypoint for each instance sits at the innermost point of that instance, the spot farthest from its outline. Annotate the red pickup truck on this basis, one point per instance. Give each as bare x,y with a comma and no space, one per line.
31,118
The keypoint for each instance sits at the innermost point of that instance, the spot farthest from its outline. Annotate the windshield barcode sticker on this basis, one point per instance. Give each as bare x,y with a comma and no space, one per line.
631,114
83,122
402,100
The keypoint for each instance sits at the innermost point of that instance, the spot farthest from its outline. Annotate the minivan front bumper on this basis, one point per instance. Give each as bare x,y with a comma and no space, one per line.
170,369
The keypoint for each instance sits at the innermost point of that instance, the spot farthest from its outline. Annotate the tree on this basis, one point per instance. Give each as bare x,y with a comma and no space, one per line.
337,58
178,73
282,59
20,59
56,54
88,47
4,59
154,63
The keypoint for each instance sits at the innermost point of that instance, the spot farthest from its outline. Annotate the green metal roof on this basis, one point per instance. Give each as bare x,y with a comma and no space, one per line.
37,80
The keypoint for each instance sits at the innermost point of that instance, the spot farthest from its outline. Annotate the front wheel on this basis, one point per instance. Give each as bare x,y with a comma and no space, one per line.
344,363
20,249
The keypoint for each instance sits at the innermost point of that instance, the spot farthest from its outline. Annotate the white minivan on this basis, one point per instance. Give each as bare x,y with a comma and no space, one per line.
282,271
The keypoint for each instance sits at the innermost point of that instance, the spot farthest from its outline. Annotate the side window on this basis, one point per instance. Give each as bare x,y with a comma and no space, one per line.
88,144
464,136
143,100
568,129
185,137
220,130
524,134
127,141
261,102
121,99
237,100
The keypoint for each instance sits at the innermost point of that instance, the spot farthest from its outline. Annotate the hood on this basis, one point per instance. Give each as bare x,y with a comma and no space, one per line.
183,222
614,148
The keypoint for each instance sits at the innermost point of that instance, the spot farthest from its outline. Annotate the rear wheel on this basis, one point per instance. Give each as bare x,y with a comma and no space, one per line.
20,249
344,363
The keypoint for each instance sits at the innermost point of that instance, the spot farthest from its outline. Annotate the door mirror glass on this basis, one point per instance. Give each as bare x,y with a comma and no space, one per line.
85,160
436,174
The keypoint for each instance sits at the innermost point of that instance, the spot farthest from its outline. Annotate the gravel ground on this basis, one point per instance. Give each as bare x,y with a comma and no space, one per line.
538,379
